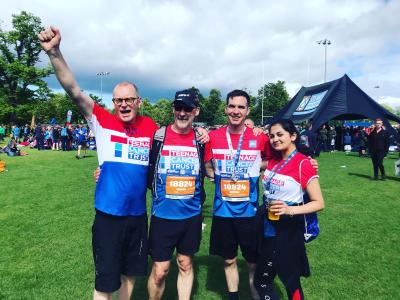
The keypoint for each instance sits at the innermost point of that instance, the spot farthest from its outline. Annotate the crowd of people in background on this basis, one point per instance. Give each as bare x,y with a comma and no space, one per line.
48,137
76,137
338,138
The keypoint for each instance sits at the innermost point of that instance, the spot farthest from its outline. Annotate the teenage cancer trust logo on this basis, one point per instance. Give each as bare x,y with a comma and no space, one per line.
138,148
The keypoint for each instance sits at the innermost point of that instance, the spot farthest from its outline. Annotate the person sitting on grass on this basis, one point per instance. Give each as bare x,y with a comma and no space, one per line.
12,150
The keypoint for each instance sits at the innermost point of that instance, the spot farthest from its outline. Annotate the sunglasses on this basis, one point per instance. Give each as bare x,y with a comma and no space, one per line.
129,101
179,107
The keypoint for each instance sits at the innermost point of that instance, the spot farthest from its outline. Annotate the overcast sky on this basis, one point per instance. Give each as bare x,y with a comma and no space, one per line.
165,46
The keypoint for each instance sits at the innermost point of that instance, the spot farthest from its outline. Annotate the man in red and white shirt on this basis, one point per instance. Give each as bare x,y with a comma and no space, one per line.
123,145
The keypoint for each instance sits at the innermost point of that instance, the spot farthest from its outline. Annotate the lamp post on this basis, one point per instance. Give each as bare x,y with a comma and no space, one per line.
324,42
102,74
263,98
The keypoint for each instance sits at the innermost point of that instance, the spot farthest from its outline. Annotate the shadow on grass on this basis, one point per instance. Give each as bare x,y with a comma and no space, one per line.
360,175
87,156
370,178
214,281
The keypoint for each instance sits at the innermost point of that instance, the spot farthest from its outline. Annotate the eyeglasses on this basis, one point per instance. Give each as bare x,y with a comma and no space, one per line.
179,107
129,101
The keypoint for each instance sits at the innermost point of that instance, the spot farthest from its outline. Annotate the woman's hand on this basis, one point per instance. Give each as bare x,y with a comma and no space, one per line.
279,208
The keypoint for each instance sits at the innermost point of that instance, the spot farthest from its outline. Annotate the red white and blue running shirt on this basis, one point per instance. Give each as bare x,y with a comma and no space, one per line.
177,184
123,154
287,185
236,198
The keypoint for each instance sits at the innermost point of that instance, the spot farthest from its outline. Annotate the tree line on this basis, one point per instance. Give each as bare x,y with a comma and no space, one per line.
24,93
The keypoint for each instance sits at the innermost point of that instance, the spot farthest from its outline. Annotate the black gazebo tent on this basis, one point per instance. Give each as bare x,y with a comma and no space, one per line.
340,99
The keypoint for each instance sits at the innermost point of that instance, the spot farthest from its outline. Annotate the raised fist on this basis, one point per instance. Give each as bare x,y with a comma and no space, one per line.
50,38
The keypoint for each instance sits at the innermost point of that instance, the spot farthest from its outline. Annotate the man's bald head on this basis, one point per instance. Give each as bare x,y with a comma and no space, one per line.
126,85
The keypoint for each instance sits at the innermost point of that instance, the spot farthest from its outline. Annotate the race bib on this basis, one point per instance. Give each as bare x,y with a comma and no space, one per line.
238,189
180,185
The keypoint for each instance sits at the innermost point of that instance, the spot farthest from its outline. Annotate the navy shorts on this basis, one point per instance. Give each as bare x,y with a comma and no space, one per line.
165,235
119,248
229,233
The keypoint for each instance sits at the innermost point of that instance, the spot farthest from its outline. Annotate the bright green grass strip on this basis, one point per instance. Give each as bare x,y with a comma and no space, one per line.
46,213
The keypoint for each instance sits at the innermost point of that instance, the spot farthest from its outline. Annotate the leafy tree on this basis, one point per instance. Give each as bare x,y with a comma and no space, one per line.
57,107
21,83
147,108
212,109
274,96
162,112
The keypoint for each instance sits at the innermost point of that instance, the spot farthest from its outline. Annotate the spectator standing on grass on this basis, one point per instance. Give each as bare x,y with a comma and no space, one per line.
81,139
71,138
363,136
323,139
287,176
347,140
48,137
378,144
123,144
27,132
331,138
39,135
16,133
308,141
64,138
56,138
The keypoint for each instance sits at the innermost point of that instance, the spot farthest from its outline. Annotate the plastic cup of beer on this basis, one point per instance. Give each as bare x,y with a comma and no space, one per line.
271,215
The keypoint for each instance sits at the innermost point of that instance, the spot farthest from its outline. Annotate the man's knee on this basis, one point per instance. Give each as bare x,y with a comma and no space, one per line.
230,262
185,263
127,279
160,272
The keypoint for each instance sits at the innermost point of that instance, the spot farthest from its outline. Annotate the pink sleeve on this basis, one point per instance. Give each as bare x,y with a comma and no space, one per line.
268,152
307,173
208,152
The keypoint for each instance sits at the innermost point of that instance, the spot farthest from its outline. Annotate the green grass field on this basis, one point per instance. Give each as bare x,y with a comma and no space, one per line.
46,213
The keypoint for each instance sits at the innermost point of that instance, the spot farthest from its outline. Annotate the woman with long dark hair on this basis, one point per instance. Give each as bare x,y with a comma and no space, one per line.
287,177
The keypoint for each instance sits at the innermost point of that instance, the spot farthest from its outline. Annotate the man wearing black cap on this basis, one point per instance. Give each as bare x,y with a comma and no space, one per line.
177,171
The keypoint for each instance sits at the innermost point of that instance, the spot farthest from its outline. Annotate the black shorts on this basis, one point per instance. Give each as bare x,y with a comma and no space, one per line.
165,235
119,248
229,233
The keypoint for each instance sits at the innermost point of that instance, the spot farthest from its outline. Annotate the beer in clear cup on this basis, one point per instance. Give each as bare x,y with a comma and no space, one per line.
271,215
